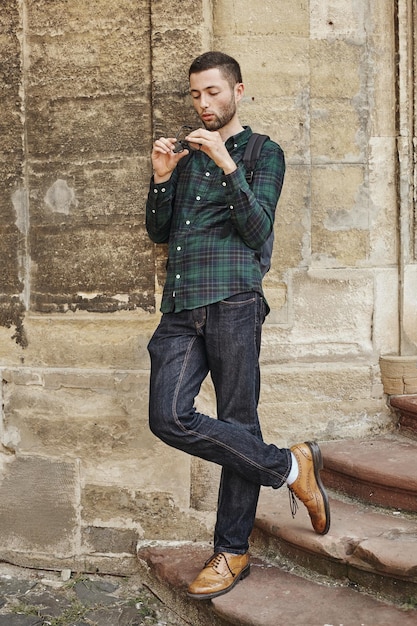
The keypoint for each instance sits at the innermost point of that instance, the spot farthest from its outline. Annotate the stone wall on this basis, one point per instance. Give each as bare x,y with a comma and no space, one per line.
85,87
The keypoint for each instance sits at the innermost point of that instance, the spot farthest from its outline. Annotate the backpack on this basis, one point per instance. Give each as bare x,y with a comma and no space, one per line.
251,155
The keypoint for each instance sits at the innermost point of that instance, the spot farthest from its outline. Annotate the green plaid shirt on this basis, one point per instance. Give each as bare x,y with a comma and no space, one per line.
215,224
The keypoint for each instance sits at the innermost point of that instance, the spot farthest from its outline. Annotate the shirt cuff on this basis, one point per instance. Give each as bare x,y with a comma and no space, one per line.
162,188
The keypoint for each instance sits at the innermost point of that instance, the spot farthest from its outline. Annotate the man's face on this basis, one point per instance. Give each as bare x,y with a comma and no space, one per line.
213,98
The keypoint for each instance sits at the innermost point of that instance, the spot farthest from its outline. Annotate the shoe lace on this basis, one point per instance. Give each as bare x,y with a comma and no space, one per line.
215,561
293,502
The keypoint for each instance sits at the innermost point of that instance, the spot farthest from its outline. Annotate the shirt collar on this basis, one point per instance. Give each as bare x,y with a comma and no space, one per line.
236,141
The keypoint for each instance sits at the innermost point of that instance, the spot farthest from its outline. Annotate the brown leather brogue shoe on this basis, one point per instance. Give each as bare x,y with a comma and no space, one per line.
308,487
220,574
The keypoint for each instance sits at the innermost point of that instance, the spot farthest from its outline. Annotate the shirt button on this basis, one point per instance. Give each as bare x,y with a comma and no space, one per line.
163,189
198,198
207,174
155,191
153,211
187,222
224,184
178,276
231,206
178,248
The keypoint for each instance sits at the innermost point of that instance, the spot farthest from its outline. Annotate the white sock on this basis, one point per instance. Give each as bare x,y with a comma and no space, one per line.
293,475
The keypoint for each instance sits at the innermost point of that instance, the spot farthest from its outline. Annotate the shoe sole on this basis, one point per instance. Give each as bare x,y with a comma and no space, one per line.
208,596
318,465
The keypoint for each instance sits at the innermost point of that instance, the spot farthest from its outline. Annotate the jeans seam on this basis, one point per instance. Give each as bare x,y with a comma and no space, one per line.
205,437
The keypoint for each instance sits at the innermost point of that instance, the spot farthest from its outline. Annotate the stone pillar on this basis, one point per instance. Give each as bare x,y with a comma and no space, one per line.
13,195
407,144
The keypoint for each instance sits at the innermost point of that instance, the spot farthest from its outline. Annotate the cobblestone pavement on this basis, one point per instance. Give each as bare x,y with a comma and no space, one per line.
41,598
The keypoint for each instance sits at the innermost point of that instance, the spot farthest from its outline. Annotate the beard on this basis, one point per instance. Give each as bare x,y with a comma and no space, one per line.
223,117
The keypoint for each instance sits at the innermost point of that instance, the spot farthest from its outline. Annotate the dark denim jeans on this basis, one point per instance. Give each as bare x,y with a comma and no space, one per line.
223,339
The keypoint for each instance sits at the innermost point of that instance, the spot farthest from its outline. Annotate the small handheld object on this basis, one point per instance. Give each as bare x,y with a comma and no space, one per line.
180,143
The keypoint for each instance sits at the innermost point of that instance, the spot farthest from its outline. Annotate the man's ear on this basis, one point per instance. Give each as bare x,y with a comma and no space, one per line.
239,91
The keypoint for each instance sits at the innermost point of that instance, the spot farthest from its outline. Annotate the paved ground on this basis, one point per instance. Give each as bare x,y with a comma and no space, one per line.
40,598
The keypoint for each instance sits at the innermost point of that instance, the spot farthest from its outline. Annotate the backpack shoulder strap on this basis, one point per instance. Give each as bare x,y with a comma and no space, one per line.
252,152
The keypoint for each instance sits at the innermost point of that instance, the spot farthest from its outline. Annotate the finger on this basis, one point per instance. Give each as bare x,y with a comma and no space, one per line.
199,133
194,145
164,144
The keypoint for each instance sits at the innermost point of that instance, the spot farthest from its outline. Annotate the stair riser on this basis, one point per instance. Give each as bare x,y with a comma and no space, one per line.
377,495
406,409
408,424
271,547
394,589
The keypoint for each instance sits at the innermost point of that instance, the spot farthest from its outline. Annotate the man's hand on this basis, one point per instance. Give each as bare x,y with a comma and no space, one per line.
164,160
212,144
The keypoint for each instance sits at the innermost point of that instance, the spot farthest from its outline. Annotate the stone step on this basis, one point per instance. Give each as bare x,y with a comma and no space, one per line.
381,471
270,596
373,549
406,406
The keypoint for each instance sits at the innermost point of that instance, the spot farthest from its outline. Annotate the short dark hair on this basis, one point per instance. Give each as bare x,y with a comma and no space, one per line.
228,66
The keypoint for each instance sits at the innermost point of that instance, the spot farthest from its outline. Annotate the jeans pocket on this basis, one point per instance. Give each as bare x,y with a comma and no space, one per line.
241,298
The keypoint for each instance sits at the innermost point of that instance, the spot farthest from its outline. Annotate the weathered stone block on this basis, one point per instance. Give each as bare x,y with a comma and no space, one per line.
155,515
87,268
337,131
290,423
268,18
108,540
11,317
382,201
205,482
85,340
11,202
292,217
39,505
410,308
77,414
381,121
10,351
316,382
330,313
321,401
340,228
96,193
276,295
385,333
338,20
69,127
335,69
10,124
115,61
186,16
334,309
9,282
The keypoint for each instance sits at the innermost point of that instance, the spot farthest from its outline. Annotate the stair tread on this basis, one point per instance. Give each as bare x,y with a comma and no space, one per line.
271,596
360,537
406,402
387,461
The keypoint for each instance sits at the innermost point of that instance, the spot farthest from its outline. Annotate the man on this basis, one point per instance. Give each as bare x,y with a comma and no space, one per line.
213,308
